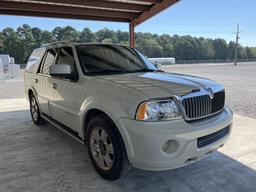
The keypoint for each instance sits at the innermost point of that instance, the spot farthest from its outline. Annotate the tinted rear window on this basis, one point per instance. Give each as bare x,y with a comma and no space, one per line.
49,60
34,59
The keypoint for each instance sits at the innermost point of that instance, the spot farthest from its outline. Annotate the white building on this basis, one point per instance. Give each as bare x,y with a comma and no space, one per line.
163,60
8,68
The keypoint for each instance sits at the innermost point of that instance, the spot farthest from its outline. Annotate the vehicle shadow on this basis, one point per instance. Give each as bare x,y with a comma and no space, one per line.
217,172
45,159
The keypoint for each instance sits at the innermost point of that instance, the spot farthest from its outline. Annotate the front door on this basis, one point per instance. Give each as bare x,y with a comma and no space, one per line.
65,104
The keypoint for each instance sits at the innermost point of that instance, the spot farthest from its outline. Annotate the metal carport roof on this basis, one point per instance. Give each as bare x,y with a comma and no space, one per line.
131,11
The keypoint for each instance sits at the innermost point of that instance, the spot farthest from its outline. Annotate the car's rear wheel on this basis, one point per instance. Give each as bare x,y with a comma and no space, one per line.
34,111
106,148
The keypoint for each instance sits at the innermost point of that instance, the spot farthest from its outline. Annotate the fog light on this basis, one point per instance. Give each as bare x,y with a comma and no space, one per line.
170,146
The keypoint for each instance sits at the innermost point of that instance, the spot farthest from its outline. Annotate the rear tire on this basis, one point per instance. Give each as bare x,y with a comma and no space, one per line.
106,148
35,112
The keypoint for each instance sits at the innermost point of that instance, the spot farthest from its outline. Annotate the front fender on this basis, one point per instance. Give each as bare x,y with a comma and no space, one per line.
114,112
113,109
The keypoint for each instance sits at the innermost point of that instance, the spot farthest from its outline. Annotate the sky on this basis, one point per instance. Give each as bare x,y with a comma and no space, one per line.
199,18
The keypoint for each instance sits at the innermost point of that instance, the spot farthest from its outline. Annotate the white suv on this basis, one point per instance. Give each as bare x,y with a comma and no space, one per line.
127,111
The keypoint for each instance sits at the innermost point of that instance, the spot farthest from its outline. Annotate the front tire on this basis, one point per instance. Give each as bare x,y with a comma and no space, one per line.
106,148
35,112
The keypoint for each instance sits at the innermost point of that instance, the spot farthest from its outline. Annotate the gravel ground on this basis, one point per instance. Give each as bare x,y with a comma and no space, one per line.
13,88
239,81
10,89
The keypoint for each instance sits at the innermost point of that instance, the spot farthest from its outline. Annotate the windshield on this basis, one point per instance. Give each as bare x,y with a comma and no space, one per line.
108,59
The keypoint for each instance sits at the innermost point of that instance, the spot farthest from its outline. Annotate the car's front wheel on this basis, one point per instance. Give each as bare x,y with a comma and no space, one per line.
34,111
106,148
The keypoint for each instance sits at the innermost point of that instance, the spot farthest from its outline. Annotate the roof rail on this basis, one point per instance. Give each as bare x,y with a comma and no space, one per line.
56,43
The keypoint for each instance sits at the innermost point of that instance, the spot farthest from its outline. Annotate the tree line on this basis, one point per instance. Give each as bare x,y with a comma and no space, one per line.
20,42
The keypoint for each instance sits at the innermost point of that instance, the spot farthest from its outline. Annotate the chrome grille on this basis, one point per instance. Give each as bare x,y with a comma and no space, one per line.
199,106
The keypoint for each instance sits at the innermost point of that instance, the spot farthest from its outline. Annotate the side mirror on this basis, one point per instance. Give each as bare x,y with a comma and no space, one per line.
60,70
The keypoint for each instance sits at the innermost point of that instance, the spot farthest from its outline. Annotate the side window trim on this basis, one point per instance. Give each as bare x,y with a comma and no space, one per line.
75,63
40,70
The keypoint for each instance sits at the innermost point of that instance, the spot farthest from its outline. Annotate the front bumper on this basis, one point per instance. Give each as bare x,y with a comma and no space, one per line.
145,140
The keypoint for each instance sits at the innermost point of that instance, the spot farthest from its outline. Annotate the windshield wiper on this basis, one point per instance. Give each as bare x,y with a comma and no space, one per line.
110,71
147,70
106,72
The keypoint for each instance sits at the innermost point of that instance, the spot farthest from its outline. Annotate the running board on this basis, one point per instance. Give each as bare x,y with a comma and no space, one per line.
63,128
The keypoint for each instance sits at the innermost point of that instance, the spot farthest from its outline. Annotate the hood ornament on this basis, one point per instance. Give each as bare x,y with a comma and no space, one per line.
210,92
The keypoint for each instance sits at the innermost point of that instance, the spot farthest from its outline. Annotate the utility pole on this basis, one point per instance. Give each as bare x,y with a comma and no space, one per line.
236,50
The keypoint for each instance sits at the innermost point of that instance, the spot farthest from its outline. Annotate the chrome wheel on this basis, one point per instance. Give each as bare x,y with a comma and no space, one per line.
102,148
34,109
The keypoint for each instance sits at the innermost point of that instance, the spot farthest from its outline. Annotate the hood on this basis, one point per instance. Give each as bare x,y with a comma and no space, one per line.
156,85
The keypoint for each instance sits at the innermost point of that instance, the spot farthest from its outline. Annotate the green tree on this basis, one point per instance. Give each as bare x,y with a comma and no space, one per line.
67,33
231,49
122,36
107,40
47,37
125,43
220,49
41,37
37,34
12,45
150,47
21,42
166,41
241,52
206,50
87,36
249,52
106,34
1,42
26,41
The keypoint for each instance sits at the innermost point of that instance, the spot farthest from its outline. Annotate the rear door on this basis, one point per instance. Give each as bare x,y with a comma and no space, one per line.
32,68
43,82
65,103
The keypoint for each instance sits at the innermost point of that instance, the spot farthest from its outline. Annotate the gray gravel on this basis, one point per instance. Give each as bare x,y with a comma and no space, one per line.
10,89
239,82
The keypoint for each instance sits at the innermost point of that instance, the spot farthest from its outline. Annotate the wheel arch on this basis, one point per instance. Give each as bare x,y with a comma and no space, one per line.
92,112
31,91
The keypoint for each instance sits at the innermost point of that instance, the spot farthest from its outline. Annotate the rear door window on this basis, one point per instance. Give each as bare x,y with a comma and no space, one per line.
48,60
34,59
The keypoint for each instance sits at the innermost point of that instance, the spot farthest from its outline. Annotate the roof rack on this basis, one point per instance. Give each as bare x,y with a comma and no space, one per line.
56,43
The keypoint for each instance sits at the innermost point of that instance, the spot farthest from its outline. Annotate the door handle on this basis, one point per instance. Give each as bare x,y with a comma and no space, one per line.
54,86
36,80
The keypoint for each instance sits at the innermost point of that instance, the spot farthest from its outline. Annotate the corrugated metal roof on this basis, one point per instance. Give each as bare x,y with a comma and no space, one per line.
136,11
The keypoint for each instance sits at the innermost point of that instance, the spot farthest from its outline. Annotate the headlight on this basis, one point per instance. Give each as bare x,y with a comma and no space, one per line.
157,110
